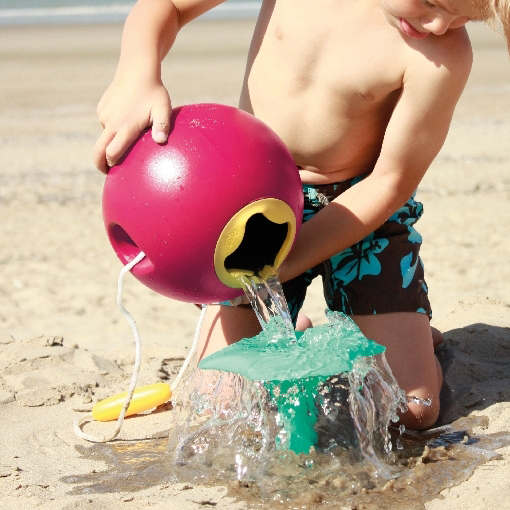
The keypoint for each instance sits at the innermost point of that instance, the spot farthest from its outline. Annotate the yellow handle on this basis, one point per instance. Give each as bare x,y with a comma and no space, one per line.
145,397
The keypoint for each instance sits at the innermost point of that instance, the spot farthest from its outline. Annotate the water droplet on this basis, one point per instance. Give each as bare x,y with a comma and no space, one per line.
417,400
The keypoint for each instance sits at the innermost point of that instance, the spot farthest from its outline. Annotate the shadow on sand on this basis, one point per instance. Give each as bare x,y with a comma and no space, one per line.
475,361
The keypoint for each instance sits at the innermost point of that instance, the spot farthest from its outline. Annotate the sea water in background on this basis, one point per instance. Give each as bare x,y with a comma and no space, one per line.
24,12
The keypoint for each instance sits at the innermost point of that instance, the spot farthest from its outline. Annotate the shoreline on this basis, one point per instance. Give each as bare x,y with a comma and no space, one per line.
117,13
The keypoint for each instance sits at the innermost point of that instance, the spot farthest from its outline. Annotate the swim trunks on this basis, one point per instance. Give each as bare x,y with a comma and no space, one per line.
382,273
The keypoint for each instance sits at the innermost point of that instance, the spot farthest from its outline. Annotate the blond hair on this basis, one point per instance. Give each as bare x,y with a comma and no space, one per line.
495,12
501,8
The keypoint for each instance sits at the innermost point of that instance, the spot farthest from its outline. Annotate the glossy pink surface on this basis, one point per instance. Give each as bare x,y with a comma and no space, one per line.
172,201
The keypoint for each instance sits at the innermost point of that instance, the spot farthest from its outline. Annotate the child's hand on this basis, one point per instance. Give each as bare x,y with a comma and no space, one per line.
131,104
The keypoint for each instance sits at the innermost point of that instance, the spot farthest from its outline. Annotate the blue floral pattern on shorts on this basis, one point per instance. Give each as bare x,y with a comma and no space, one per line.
382,273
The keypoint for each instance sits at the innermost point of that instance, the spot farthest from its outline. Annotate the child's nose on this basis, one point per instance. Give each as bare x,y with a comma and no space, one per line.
438,23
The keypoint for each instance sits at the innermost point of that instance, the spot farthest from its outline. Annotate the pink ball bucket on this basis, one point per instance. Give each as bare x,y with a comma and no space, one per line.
222,197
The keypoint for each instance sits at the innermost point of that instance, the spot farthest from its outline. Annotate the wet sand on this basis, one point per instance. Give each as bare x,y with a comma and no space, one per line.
63,343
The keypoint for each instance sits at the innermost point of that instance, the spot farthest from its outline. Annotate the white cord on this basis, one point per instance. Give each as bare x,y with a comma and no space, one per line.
177,380
138,357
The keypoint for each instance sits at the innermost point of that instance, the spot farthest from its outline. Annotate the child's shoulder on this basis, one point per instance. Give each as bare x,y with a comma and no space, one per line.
451,51
443,59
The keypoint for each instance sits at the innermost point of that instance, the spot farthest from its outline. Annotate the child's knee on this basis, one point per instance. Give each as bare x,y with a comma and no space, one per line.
420,416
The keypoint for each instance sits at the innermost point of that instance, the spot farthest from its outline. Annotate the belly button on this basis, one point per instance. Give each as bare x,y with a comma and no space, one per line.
278,32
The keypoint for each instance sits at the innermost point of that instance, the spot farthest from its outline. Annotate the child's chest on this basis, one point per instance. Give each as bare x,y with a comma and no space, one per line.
341,50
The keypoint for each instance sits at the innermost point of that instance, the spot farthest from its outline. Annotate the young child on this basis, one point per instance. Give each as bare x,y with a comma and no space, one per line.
362,92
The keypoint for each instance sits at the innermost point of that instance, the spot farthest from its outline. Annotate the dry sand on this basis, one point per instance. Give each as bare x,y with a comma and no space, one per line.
58,273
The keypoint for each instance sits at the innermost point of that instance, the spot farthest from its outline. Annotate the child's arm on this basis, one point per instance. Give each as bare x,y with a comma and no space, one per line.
137,98
413,137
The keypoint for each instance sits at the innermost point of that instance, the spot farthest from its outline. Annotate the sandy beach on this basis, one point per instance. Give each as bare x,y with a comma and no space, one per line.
64,344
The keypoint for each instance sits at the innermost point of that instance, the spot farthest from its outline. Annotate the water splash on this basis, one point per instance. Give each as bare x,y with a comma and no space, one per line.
226,426
267,300
285,402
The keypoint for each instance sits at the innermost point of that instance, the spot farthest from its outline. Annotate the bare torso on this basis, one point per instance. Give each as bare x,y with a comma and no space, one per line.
327,91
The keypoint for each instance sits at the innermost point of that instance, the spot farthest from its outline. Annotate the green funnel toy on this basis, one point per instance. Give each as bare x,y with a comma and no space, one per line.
295,370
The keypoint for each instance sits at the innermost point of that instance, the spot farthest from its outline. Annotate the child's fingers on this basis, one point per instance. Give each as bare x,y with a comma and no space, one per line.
120,143
99,153
161,123
111,146
160,132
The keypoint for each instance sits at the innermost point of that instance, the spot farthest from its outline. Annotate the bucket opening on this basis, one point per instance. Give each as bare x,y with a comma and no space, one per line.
262,241
126,249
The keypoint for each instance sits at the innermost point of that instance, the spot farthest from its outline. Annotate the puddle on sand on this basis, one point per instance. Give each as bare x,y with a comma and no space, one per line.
428,463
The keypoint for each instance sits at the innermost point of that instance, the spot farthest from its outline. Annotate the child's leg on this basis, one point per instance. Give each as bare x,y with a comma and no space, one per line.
224,325
437,337
303,322
407,337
